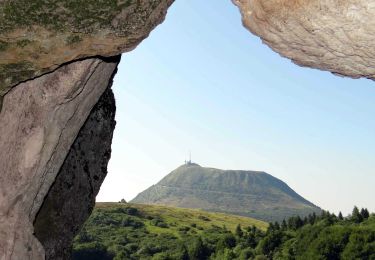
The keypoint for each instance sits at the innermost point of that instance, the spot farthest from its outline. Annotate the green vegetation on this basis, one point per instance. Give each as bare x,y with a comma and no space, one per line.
245,193
23,43
130,231
72,39
82,15
3,45
15,72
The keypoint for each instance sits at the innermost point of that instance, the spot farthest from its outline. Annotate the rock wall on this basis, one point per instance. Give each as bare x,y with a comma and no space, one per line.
71,198
38,124
333,35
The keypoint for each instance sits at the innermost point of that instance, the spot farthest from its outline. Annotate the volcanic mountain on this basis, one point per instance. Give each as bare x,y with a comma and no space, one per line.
246,193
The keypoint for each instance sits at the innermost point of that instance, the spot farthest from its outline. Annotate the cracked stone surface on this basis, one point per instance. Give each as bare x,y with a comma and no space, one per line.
39,122
333,35
71,198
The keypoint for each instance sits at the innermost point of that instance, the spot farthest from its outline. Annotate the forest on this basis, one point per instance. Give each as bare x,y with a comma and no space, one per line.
131,231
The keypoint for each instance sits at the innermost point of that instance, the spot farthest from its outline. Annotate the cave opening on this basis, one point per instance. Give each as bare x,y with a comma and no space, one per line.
203,84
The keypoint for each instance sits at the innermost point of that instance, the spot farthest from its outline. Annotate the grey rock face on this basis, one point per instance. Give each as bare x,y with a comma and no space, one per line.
39,122
332,35
72,196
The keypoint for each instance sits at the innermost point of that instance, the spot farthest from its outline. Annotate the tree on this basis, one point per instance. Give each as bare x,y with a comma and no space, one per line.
122,201
364,213
295,222
267,245
251,240
356,215
226,241
340,216
239,231
284,226
196,249
277,226
312,218
270,227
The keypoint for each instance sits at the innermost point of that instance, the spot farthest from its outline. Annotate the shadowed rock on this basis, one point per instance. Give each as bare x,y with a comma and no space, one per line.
71,198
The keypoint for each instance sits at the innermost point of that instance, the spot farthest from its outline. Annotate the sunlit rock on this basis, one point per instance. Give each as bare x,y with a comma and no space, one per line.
333,35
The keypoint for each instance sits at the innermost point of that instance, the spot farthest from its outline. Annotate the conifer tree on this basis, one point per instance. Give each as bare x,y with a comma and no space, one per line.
277,226
356,215
364,213
284,226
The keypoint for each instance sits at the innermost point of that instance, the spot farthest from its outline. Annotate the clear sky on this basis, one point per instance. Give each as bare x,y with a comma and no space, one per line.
201,82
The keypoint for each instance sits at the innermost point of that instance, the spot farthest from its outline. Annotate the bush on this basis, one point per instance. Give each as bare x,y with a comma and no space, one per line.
92,251
204,218
157,222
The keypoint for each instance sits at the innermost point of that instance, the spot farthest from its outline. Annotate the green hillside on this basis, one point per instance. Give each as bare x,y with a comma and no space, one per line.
246,193
129,231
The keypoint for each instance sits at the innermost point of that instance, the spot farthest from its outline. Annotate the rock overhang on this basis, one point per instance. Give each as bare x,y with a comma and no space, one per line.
38,36
332,35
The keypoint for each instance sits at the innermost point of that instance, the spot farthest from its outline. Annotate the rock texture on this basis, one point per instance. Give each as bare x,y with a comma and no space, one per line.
72,196
37,36
333,35
38,124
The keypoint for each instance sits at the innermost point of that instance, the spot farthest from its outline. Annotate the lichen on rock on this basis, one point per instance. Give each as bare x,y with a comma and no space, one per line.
40,35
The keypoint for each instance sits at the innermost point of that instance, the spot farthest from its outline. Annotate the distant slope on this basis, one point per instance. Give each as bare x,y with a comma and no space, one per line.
246,193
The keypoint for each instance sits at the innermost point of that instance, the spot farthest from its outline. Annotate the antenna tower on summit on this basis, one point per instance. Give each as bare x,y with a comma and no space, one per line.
189,161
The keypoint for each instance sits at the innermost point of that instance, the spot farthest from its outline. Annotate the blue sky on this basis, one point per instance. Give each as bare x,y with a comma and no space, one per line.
201,82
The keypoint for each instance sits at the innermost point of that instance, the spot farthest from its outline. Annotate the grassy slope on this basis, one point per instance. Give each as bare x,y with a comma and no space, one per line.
186,217
131,231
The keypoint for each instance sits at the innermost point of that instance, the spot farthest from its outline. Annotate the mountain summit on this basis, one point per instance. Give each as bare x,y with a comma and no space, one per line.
246,193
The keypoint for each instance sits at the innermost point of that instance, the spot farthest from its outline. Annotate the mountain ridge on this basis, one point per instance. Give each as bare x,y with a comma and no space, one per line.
247,193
